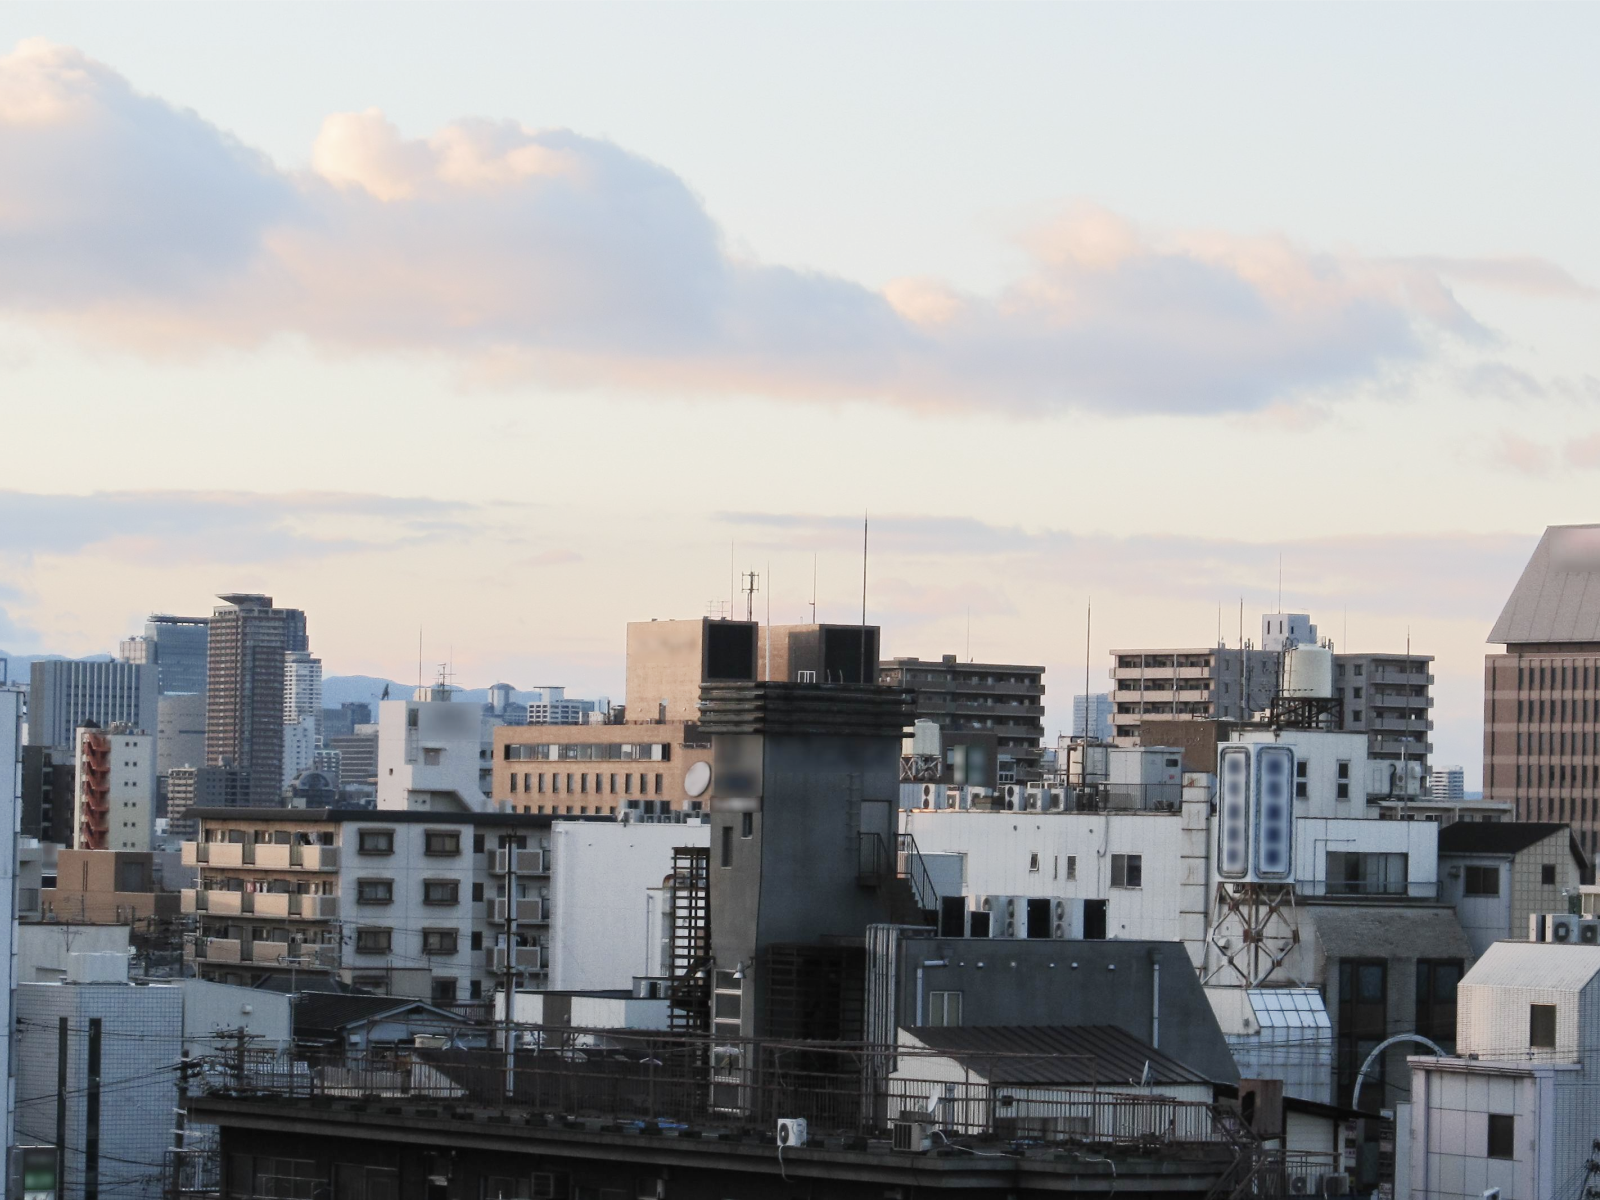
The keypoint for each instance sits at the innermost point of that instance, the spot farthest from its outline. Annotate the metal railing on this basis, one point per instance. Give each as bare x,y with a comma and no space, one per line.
738,1086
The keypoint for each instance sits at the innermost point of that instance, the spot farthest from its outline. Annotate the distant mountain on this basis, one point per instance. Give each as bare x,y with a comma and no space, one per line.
16,665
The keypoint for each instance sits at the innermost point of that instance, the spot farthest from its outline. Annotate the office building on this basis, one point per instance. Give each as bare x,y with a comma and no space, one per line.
180,731
1005,700
1447,783
64,694
201,787
358,760
650,770
245,656
551,707
1541,721
503,705
1091,717
116,789
342,721
179,652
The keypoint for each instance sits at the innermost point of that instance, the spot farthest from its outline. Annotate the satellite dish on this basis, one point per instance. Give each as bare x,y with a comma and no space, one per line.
697,779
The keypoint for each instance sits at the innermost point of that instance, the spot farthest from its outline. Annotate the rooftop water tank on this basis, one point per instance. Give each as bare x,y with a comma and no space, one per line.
1308,671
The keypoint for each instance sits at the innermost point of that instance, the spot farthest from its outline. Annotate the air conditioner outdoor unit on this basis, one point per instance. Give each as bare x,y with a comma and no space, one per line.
928,792
1336,1185
1014,795
792,1132
911,1137
1563,929
1589,931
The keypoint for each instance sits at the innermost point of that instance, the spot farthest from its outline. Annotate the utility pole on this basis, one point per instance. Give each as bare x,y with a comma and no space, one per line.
180,1123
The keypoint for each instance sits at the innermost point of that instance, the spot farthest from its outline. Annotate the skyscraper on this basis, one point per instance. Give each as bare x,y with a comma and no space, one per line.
180,651
245,664
302,689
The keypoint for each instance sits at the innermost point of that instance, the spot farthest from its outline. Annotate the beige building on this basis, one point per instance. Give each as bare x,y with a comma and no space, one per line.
106,887
115,790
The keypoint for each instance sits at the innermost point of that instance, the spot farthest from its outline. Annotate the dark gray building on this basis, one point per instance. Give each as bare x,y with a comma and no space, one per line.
65,693
179,645
47,782
247,640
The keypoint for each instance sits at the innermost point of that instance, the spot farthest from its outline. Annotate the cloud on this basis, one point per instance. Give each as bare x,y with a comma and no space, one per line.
527,252
1529,276
1521,454
220,527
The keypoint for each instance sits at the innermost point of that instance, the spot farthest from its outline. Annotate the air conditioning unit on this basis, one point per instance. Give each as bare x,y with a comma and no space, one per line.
910,1137
1562,929
1336,1185
978,796
929,791
959,798
1015,796
792,1132
1589,931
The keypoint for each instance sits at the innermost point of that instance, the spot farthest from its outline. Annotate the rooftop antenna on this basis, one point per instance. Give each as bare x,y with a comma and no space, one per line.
863,597
750,589
733,580
969,633
419,656
1280,580
1088,628
813,587
769,619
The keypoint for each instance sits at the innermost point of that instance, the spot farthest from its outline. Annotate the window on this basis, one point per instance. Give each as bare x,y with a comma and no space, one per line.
432,757
1502,1136
477,893
1480,881
374,941
441,891
1542,1026
443,842
1355,874
747,825
477,843
1547,874
444,991
944,1008
352,1182
1127,870
1363,1023
376,841
438,941
1072,866
1033,863
374,891
727,845
1437,981
273,1178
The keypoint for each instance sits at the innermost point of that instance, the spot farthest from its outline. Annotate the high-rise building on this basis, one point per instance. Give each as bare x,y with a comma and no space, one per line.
302,690
64,694
1005,700
180,731
201,787
342,721
245,663
1541,697
1091,717
1447,783
116,789
179,645
47,804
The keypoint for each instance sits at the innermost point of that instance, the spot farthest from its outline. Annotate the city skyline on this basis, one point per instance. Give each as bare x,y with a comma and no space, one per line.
1422,336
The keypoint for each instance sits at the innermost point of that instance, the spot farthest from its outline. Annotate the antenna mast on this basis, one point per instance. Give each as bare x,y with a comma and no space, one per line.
864,598
813,588
1088,627
750,589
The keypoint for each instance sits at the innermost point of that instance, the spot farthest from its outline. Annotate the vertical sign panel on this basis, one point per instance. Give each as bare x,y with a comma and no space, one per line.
1274,811
1233,813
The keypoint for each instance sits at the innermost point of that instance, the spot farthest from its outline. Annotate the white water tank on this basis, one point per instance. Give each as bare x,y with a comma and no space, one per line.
1308,671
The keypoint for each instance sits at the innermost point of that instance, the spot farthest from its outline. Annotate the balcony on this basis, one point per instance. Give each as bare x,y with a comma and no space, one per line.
526,862
529,912
217,950
283,905
265,856
525,958
262,953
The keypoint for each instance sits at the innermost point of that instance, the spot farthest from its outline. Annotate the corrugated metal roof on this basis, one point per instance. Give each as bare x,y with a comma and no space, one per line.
327,1013
1535,964
1388,931
1558,597
1058,1054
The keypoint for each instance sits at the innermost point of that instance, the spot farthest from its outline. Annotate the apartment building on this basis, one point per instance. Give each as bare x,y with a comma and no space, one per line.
1541,721
1195,683
115,792
1005,700
430,753
1389,697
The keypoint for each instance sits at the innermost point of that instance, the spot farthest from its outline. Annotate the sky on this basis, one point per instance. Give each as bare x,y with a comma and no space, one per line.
509,324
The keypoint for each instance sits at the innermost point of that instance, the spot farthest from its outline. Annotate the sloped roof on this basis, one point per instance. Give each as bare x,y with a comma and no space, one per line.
1562,968
1558,597
1388,931
1057,1054
327,1013
1495,837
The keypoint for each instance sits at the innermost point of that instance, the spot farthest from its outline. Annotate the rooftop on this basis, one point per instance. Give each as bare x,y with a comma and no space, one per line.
1557,599
385,816
1496,837
1056,1054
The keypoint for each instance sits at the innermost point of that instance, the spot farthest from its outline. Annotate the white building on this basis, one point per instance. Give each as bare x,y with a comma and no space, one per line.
1447,783
430,753
13,701
1285,631
299,747
602,927
1518,1106
123,1044
115,789
302,690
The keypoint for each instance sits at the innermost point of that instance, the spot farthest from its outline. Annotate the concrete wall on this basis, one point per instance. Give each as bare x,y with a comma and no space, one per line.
1315,839
1451,1100
42,949
141,1040
1485,919
1065,856
600,878
1529,894
441,754
210,1009
1071,983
